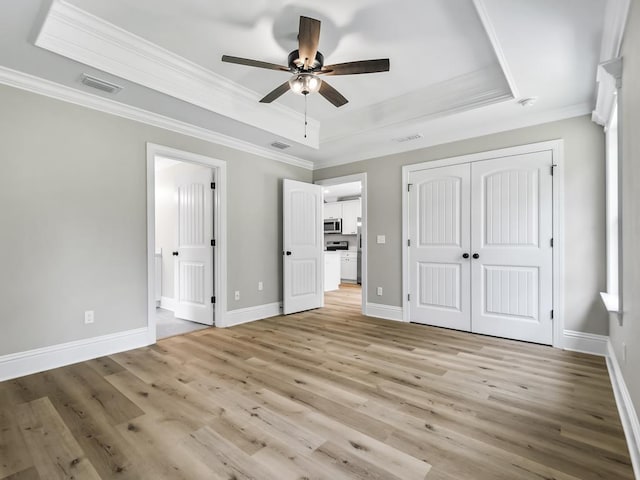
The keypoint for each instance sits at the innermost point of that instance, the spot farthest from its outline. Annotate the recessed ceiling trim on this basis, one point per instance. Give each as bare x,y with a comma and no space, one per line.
465,92
464,131
80,36
30,83
615,20
485,19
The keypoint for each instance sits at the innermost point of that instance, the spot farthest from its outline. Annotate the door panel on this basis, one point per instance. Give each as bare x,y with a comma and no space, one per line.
194,262
511,233
439,234
302,240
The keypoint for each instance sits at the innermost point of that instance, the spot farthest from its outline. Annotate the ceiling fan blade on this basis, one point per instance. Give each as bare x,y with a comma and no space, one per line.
253,63
308,39
274,94
354,68
331,94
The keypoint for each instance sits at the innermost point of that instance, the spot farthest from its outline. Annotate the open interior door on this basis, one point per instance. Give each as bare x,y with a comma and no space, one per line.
303,248
194,253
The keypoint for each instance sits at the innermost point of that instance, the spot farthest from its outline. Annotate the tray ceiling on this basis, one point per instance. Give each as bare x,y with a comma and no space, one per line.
460,65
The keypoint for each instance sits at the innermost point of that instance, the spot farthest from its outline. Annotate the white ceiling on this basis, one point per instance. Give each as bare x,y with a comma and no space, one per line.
457,66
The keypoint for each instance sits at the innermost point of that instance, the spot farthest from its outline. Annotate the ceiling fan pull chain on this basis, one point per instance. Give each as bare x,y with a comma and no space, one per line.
305,116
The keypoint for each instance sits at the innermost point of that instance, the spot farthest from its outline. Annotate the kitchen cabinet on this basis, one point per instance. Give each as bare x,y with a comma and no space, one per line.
350,213
331,271
333,210
349,266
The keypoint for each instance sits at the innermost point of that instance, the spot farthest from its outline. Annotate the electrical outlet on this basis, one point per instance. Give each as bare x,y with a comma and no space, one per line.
89,316
381,239
379,291
237,295
260,286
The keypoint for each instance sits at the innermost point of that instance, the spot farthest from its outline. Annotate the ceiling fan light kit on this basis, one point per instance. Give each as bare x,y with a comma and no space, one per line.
304,83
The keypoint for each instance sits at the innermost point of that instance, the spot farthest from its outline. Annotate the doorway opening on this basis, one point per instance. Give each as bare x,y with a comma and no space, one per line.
185,249
345,239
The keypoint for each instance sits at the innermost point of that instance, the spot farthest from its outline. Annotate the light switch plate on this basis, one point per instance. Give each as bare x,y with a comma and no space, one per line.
381,239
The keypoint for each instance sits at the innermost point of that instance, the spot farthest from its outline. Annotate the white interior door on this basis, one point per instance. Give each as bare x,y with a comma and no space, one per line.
439,238
303,247
511,235
194,253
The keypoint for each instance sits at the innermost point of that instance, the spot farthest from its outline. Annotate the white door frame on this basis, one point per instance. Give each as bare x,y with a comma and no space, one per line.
557,151
219,229
357,177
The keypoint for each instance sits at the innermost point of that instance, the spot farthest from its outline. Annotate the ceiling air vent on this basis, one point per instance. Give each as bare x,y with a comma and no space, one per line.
280,145
94,82
408,138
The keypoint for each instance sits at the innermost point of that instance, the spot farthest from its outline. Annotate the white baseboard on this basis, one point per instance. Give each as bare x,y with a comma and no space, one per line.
388,312
251,314
168,303
628,414
585,342
33,361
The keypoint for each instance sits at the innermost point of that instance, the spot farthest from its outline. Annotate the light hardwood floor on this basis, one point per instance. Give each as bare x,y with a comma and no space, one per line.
322,394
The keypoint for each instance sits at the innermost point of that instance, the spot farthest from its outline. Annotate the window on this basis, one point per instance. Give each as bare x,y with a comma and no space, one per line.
611,297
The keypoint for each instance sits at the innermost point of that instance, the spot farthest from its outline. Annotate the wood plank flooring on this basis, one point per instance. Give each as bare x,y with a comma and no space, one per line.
325,394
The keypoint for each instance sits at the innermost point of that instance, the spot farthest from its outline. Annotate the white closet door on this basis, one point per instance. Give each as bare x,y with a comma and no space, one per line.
511,235
439,213
303,254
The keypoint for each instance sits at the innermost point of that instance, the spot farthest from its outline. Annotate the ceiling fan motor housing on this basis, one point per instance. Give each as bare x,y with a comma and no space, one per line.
296,64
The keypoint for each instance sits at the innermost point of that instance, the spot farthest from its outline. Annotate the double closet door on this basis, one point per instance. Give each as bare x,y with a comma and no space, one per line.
480,253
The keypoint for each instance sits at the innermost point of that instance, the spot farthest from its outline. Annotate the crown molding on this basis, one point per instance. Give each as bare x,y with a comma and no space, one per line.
462,132
609,73
609,78
24,81
76,34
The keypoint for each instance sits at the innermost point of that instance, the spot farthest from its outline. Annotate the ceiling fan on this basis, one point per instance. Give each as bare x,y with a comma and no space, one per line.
307,66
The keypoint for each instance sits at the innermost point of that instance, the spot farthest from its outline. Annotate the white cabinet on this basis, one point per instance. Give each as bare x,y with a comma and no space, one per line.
331,271
350,213
349,266
333,210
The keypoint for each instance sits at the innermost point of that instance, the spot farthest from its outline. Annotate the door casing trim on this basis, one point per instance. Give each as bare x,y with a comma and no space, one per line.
362,178
556,147
219,168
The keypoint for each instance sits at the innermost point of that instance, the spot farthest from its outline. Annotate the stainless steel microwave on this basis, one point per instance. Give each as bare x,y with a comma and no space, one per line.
333,225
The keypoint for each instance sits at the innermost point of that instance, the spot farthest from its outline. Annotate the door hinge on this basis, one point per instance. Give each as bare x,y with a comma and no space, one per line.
552,167
551,242
213,299
551,314
213,185
408,296
213,243
409,187
408,242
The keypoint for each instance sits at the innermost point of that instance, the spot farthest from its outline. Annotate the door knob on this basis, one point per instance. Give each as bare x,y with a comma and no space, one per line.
476,255
465,255
175,254
287,253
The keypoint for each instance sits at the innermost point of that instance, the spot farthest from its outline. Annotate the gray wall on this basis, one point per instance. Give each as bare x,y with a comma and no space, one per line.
73,220
584,212
629,111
